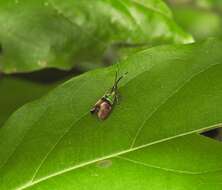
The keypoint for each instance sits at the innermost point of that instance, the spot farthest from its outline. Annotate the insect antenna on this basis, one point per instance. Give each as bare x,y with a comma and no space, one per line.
118,79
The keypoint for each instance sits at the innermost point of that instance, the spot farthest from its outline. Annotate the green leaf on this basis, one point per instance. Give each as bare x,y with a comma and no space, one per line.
169,92
61,34
16,92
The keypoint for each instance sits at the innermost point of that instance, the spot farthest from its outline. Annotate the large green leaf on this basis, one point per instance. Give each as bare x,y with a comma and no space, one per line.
39,34
169,92
15,92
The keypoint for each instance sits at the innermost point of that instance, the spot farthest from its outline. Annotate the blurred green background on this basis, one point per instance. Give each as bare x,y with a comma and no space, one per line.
202,18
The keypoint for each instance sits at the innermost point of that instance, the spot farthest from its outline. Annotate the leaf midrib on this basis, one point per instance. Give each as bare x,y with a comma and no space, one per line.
114,155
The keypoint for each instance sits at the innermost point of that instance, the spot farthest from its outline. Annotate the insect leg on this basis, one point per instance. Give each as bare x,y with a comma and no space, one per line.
96,107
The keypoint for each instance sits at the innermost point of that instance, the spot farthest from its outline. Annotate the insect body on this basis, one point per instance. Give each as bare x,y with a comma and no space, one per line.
104,106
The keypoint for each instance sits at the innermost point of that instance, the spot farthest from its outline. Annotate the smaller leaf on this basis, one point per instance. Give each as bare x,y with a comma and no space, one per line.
16,92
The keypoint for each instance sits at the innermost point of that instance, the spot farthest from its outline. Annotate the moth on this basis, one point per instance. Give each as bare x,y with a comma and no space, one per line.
104,105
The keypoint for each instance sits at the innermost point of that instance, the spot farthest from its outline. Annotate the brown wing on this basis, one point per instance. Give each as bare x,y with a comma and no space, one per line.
104,111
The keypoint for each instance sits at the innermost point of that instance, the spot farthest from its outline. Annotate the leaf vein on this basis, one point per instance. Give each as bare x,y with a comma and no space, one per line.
167,169
177,89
